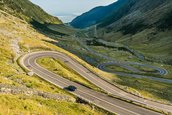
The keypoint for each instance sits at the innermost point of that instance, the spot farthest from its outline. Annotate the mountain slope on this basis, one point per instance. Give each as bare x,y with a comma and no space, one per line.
140,24
143,13
25,9
97,14
20,93
146,26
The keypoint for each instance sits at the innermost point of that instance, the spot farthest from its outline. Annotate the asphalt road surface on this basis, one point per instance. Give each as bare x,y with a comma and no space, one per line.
102,100
127,66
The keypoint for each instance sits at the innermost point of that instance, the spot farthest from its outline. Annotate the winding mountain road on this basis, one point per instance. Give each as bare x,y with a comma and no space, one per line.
102,100
126,65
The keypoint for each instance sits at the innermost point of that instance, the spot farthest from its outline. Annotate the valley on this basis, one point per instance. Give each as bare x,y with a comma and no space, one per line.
119,62
96,55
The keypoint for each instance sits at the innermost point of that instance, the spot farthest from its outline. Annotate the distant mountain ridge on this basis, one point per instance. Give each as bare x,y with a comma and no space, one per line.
131,10
96,15
28,11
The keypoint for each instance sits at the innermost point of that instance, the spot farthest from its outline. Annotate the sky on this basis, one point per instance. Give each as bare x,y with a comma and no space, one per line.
67,10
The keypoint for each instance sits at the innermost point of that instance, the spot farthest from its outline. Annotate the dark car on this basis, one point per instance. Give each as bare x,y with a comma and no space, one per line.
70,88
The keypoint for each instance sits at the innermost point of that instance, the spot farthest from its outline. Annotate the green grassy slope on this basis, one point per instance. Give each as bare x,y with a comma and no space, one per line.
144,25
59,67
17,38
25,9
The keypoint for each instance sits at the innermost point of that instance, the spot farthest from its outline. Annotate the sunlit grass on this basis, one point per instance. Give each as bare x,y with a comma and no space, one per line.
12,74
150,89
60,68
20,104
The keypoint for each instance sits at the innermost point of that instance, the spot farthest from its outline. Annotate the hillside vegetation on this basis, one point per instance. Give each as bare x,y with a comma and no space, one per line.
25,9
20,93
143,25
143,28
